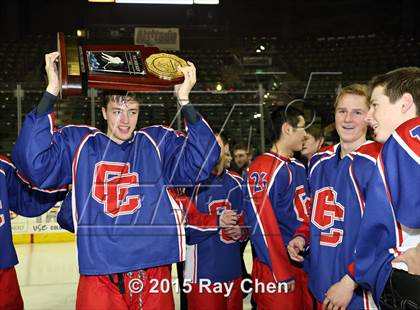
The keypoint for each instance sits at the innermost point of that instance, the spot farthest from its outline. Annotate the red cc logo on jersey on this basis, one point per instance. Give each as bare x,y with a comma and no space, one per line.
324,215
111,182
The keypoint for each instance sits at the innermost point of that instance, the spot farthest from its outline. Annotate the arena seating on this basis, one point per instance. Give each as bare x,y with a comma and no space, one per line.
238,67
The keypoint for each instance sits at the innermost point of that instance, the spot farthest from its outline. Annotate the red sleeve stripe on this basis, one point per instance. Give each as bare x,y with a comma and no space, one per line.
368,300
47,190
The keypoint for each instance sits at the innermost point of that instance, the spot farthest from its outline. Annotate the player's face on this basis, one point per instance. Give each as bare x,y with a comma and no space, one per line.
310,145
228,156
350,122
223,148
384,117
241,158
298,135
121,118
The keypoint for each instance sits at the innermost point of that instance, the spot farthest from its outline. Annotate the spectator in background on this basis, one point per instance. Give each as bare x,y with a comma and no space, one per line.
314,140
242,158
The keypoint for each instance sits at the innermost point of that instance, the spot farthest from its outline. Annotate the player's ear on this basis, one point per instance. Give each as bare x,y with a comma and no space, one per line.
286,128
321,141
407,102
104,113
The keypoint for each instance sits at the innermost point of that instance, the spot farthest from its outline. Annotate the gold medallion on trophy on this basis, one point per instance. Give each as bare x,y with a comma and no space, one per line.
165,66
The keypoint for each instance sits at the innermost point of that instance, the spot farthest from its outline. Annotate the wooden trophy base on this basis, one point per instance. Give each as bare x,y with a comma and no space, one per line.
119,67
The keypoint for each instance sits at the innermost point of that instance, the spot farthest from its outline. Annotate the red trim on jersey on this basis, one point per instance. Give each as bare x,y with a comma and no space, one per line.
195,272
60,129
365,300
6,160
328,148
370,148
32,186
234,174
404,131
350,268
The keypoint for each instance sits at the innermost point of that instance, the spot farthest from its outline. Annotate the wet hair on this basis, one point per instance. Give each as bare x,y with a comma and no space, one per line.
397,82
117,95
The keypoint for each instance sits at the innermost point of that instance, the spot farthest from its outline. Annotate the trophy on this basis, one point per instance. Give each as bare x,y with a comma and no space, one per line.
119,67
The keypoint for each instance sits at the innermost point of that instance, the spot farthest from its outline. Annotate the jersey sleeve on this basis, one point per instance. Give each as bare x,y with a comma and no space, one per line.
199,226
391,200
186,160
43,153
372,257
401,165
25,199
361,169
65,215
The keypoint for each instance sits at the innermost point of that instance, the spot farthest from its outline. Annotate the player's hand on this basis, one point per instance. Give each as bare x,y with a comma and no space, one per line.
295,246
233,232
339,295
411,258
51,67
13,215
183,90
228,218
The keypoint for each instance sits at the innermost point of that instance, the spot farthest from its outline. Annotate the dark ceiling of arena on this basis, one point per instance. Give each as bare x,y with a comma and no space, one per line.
282,18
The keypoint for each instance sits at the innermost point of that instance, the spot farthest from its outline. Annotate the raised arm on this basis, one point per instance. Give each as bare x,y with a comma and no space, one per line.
187,160
43,153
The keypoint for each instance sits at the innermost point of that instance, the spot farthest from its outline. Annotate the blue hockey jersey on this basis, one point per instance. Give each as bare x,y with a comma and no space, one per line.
391,223
18,196
216,258
275,208
123,214
338,191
